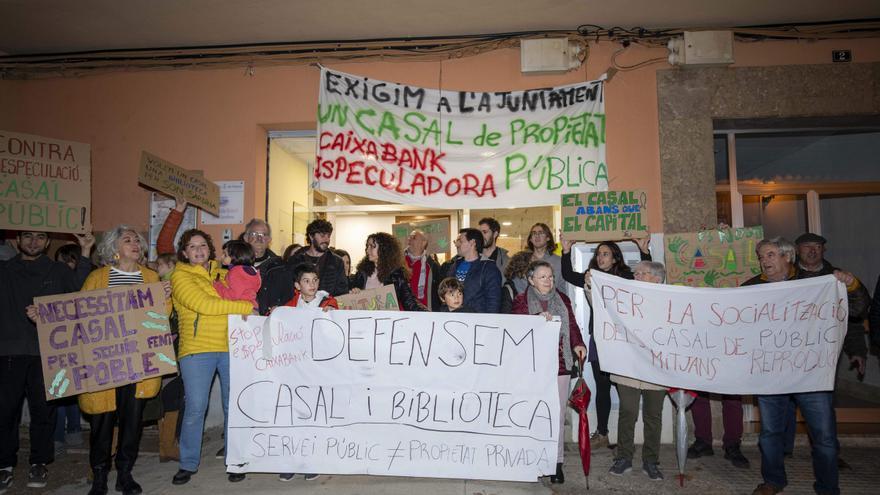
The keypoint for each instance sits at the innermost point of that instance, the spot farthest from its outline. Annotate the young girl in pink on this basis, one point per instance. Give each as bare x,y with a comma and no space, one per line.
242,280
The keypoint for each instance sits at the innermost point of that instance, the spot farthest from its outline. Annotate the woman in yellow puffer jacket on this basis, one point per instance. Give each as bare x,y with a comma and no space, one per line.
121,252
204,344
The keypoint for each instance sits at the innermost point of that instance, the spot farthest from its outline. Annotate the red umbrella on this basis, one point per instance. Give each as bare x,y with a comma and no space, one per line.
579,400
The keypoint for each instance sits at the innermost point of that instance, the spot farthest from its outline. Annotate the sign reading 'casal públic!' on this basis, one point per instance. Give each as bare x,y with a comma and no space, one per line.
390,393
774,338
459,149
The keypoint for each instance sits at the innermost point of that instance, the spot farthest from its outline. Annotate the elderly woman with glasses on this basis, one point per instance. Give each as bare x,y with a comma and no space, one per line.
542,298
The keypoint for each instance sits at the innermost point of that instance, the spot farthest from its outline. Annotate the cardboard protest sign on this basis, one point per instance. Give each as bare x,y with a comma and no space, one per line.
402,394
713,258
101,339
176,181
605,215
459,149
436,230
382,299
45,184
775,338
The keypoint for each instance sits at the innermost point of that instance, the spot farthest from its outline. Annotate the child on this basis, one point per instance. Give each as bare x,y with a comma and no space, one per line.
243,280
307,295
165,265
451,292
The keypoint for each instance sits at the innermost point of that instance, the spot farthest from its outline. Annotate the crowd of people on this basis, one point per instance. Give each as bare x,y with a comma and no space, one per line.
203,287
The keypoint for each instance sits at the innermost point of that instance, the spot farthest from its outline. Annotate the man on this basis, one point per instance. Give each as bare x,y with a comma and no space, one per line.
480,275
28,275
258,234
331,268
630,391
776,257
491,229
424,270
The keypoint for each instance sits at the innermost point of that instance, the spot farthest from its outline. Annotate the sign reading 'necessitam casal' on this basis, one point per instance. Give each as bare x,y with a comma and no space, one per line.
45,184
390,393
459,149
605,215
775,338
101,339
176,181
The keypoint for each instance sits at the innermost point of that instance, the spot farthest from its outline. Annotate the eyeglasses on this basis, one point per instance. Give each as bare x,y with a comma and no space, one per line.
257,235
537,233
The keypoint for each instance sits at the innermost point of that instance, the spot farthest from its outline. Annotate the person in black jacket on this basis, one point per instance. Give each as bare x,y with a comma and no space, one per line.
28,275
278,282
424,270
478,274
384,265
258,234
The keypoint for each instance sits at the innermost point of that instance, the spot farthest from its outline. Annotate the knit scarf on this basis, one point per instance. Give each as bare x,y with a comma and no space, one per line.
556,307
422,274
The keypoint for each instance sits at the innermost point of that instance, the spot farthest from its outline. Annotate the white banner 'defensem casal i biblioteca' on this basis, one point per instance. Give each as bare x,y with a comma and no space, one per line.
774,338
441,395
459,149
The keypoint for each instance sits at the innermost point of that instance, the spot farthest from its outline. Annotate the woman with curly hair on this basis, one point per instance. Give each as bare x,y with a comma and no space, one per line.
542,245
383,265
515,279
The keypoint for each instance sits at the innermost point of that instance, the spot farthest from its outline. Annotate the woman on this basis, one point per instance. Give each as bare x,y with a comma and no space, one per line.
515,279
542,298
383,265
204,348
542,245
607,258
120,253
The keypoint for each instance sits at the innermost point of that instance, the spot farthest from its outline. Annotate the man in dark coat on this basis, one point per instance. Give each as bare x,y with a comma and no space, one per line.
480,275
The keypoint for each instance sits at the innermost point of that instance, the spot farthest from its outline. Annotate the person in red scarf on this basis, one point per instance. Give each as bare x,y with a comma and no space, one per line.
424,270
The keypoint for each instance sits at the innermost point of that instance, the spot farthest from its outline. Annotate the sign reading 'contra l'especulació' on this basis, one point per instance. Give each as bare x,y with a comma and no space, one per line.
441,395
459,149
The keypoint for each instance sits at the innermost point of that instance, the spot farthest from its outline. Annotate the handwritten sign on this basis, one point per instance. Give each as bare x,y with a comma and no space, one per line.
459,149
101,339
382,299
776,338
175,181
605,215
45,184
713,258
389,393
436,230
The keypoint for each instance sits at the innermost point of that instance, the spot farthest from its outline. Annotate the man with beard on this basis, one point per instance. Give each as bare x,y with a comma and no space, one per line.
28,275
424,270
331,268
478,274
491,229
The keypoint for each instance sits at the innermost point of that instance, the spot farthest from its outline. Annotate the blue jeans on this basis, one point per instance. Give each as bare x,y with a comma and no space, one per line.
198,372
818,411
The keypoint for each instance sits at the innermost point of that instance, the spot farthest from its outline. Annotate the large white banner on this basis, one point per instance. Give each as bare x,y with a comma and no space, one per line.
776,338
459,149
440,395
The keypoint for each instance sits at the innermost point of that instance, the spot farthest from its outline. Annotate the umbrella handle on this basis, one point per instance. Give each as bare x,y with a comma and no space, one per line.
580,372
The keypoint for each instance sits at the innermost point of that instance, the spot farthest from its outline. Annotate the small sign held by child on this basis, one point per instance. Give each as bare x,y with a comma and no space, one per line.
381,299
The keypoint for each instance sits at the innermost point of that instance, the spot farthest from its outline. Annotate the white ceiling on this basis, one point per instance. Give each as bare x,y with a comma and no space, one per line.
54,26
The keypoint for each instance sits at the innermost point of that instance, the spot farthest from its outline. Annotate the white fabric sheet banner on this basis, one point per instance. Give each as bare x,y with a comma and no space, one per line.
774,338
440,395
459,149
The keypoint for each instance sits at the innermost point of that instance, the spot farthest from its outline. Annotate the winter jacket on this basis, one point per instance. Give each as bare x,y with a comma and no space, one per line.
521,307
406,300
201,312
20,282
105,400
278,287
857,295
326,300
271,262
502,258
432,281
242,284
482,284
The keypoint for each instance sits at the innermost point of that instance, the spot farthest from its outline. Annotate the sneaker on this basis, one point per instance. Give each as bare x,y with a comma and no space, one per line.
652,470
5,479
286,476
736,457
236,477
700,449
221,454
767,489
311,476
620,467
38,475
598,440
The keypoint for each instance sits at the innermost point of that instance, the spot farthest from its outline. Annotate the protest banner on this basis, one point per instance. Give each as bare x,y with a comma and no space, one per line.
776,338
436,230
176,181
713,258
45,184
101,339
459,149
605,216
381,299
389,393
